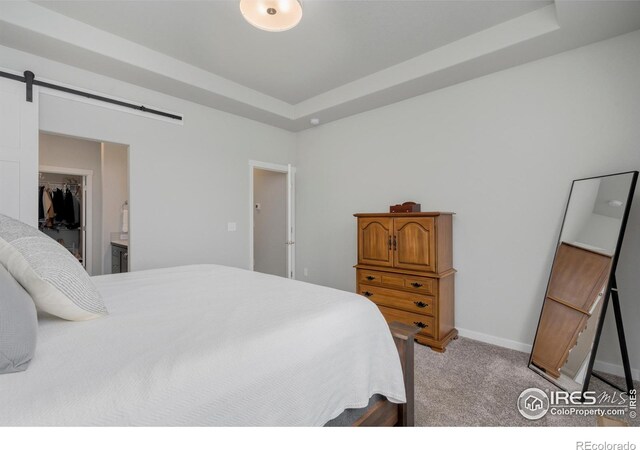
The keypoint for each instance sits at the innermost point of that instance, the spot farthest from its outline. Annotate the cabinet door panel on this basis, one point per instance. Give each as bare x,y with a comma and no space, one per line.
414,246
374,237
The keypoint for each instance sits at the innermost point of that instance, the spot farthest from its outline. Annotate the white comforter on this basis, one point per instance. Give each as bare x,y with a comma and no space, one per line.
207,345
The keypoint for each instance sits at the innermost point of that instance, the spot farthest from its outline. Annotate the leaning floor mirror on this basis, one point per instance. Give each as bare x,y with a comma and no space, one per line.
582,281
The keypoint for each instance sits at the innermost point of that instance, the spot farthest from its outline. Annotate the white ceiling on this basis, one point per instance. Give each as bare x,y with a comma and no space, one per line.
335,43
345,57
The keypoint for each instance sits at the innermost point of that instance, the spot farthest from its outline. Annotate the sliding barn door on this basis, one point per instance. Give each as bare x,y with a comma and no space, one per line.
18,152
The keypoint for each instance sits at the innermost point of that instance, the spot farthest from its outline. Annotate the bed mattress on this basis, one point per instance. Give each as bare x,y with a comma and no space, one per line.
207,345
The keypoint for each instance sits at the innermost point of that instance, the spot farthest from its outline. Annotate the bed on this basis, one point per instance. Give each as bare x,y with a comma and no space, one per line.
211,345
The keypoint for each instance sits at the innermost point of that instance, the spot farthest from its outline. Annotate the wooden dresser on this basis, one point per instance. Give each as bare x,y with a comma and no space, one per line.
405,266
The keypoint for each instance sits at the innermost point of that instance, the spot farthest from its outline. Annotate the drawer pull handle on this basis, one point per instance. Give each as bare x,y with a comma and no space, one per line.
421,304
367,294
370,278
420,324
416,285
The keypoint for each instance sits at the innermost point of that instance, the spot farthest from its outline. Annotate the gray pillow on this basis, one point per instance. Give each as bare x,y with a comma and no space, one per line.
18,325
55,279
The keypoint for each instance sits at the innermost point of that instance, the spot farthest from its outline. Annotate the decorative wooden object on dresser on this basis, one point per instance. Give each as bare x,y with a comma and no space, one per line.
405,266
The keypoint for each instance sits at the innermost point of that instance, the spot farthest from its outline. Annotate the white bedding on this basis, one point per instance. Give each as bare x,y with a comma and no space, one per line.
207,345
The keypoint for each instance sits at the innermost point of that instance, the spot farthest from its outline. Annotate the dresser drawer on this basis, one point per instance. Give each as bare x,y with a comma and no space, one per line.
418,303
425,323
392,280
369,277
422,285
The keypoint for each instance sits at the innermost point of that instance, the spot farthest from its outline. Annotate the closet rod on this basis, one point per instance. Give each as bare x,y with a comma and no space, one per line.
30,81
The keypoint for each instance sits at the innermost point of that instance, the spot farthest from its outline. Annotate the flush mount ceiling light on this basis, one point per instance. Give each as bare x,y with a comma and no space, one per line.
272,15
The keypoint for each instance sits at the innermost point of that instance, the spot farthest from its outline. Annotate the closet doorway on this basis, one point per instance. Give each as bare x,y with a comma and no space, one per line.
64,197
272,231
83,200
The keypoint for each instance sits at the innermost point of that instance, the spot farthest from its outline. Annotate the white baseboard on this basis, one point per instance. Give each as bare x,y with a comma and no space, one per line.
615,369
489,339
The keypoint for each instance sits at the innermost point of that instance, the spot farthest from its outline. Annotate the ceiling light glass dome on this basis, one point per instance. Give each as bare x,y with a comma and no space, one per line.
272,15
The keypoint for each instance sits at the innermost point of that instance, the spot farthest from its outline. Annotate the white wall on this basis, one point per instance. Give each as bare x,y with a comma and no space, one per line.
187,181
601,232
61,151
115,191
580,210
500,151
270,222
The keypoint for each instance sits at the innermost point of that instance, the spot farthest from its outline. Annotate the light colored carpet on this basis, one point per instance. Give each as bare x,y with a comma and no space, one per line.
478,384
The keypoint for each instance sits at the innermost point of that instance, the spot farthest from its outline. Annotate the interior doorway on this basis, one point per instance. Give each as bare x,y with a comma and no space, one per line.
64,196
83,200
272,228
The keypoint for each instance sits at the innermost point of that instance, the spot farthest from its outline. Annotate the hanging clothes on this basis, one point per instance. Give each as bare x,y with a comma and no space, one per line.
47,204
76,208
58,204
40,203
69,216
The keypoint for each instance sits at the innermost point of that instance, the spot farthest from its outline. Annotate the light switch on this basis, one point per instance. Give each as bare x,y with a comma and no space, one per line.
232,226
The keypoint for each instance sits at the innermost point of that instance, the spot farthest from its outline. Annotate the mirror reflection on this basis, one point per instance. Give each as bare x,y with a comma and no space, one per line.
575,297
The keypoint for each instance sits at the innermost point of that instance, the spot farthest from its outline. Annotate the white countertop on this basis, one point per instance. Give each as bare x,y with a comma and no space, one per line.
120,242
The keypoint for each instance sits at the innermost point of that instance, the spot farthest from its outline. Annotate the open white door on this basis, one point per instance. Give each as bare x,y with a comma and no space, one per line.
18,152
291,235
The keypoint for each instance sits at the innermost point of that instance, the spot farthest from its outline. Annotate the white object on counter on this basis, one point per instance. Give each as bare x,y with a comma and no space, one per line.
125,217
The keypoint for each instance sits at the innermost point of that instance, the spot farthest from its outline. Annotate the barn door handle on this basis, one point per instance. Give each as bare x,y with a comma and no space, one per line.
367,294
420,324
421,304
416,285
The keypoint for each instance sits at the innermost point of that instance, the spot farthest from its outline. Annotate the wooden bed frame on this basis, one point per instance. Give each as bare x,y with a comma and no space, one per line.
383,413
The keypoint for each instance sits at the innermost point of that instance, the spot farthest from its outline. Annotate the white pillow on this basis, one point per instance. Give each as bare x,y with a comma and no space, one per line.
55,280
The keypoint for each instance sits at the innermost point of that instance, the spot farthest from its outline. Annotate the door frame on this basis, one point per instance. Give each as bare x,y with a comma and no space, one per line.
289,170
87,177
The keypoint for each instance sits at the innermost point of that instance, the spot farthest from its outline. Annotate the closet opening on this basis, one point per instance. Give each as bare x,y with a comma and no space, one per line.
83,200
272,243
62,207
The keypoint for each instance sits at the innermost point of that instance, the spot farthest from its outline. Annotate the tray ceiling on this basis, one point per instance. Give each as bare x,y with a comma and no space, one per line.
343,58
